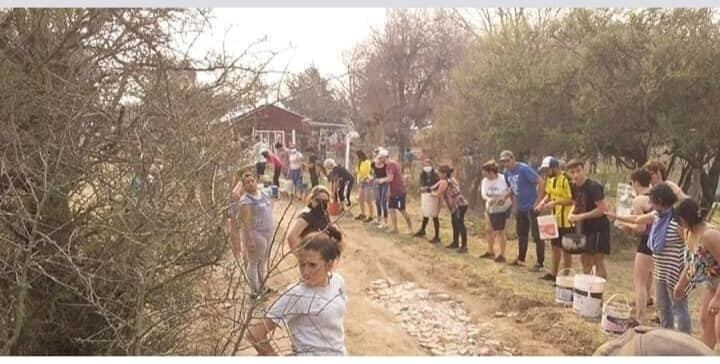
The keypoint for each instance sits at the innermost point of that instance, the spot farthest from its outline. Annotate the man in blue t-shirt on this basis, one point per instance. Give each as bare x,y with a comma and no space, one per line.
526,188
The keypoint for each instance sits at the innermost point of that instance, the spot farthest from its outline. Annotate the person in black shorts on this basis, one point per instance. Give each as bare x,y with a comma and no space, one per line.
589,211
341,181
643,265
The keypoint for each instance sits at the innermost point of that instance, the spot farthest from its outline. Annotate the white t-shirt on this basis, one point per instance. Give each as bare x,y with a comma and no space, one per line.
257,149
493,191
295,160
314,317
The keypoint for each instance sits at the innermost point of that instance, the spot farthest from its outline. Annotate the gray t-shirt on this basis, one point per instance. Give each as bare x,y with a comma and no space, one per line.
261,206
314,317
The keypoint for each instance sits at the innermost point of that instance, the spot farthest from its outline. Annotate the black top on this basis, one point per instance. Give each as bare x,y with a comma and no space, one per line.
317,220
586,198
340,173
313,159
379,172
429,179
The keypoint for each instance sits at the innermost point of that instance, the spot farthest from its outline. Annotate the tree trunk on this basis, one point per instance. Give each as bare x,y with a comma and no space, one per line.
709,183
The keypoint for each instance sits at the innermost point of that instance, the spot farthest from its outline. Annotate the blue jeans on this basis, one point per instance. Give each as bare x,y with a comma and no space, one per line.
381,200
669,310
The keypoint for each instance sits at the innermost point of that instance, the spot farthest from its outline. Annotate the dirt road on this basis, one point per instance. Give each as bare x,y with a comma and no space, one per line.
372,330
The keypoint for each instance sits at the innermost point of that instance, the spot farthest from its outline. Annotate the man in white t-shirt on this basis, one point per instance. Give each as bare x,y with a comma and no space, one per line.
257,149
295,173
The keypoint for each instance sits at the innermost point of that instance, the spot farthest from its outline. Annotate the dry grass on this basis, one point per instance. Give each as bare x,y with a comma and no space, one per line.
517,289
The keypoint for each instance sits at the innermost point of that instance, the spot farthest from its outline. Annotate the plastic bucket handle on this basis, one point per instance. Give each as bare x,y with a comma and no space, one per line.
607,303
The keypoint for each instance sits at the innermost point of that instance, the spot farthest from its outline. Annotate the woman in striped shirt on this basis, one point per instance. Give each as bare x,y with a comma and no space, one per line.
668,251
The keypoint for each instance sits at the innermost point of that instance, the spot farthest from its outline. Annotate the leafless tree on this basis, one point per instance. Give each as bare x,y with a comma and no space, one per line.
114,182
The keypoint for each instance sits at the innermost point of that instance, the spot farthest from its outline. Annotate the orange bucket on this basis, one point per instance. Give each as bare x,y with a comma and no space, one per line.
334,208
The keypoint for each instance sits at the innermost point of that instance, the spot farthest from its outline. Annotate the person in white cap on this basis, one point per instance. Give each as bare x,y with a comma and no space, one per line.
558,199
381,196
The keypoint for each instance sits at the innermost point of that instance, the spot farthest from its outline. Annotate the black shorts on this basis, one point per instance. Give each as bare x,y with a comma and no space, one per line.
642,246
597,242
259,169
497,220
397,202
561,231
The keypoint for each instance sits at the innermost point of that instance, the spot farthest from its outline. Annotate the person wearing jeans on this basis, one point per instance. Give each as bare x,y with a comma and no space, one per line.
668,250
670,309
527,188
449,190
383,190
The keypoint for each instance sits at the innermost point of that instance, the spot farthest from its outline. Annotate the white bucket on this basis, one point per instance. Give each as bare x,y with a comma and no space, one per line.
615,316
564,287
429,204
587,294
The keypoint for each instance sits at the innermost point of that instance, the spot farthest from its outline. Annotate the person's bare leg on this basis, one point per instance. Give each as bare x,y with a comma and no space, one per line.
556,255
362,202
502,241
717,333
370,208
643,262
586,260
393,221
567,259
707,322
599,261
490,237
407,220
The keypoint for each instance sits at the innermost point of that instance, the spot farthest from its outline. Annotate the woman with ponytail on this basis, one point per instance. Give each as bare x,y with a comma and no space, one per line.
312,310
313,218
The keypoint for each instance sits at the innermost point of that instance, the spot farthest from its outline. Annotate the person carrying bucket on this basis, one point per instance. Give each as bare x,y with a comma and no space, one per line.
668,250
313,218
494,190
558,199
588,211
429,204
643,264
526,188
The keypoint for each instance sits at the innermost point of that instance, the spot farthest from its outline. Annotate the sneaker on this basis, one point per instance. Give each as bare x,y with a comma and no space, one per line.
548,277
500,259
435,241
382,226
463,250
419,234
518,262
537,267
360,217
453,245
488,255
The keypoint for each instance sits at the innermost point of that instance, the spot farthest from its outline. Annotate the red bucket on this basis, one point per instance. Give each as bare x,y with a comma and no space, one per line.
334,208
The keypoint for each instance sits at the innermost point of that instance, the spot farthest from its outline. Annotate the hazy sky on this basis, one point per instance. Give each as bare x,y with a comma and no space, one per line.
305,36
